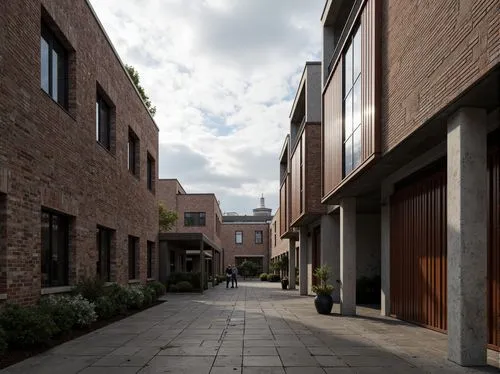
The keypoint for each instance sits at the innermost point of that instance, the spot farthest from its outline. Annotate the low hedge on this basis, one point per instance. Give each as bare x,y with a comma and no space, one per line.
263,277
273,278
184,286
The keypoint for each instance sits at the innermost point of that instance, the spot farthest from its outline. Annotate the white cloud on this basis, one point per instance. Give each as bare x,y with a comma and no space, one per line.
222,74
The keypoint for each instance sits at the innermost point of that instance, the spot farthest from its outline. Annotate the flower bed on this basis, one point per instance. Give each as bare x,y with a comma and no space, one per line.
28,330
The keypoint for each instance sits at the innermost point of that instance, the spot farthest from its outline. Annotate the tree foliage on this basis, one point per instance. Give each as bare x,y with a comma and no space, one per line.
167,218
134,74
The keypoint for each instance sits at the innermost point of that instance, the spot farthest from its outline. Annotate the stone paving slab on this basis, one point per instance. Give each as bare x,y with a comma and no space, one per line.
255,329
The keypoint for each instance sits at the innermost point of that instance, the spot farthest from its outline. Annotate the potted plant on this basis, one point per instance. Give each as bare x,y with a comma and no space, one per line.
284,283
323,300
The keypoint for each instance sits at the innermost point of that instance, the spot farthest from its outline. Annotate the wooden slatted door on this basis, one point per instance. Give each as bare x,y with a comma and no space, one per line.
418,249
494,249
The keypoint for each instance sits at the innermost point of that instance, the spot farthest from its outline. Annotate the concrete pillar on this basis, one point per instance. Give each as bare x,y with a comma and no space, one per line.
303,260
467,217
385,253
202,267
348,256
291,264
330,250
213,267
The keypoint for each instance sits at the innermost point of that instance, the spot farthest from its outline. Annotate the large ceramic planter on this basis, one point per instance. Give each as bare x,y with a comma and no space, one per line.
284,284
323,304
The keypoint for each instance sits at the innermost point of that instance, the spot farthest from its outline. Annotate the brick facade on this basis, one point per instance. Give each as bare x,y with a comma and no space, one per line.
432,52
49,156
278,246
248,248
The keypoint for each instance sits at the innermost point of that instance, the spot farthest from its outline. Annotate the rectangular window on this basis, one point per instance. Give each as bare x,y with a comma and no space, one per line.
53,67
55,249
352,104
238,237
151,172
150,258
103,122
172,261
133,153
259,237
104,253
133,257
194,219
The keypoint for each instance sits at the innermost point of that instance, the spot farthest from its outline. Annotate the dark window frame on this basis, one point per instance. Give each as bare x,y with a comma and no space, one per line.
103,121
195,219
47,254
349,137
261,237
133,153
104,235
150,170
133,257
236,237
54,45
150,257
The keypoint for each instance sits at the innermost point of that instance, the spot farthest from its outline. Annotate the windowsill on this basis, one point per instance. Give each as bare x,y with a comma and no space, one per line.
134,281
107,284
59,105
106,149
151,279
53,290
3,296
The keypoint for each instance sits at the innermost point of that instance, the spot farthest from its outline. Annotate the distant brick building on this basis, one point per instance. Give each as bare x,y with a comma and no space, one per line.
247,238
78,155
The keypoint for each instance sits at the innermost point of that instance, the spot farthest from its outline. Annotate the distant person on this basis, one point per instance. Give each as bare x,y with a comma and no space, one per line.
229,275
234,278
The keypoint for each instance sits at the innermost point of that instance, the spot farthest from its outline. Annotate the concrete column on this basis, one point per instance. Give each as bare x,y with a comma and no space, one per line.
467,217
291,264
385,253
202,267
330,250
303,260
348,256
213,267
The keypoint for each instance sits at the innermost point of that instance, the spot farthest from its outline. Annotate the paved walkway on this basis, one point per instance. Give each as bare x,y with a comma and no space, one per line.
255,329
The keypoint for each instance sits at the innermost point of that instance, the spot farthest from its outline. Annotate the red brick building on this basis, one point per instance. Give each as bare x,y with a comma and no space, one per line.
78,155
247,238
410,123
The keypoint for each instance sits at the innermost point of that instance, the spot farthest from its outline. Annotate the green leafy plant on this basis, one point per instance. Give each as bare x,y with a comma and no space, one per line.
322,274
167,218
173,288
158,287
84,310
106,307
119,295
135,298
263,277
149,295
90,289
26,326
273,278
184,286
61,311
134,75
248,268
3,341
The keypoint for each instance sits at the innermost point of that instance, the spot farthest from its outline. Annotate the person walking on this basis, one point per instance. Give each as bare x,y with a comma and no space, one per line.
229,275
234,278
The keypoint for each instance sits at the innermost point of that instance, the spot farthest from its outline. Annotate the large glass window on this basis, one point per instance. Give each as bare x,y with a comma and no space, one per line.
259,237
103,122
53,67
238,237
133,256
352,104
55,249
104,253
194,219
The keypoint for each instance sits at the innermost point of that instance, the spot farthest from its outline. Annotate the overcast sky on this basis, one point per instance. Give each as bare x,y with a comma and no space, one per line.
223,75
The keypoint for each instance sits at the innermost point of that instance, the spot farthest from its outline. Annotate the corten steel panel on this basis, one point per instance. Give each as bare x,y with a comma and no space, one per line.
494,249
284,207
295,193
332,132
418,251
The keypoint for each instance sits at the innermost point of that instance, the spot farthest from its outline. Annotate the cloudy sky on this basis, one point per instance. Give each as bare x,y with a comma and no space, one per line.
223,75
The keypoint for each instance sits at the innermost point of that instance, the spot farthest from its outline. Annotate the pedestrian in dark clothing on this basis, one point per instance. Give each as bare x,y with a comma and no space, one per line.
234,279
229,275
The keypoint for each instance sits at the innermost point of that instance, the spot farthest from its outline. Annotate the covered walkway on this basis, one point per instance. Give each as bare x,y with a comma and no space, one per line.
256,328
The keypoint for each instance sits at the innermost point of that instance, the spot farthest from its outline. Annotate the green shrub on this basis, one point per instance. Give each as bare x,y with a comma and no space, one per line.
26,326
84,310
273,278
158,287
90,288
3,341
173,288
119,296
263,277
106,307
135,298
184,286
193,278
149,295
61,311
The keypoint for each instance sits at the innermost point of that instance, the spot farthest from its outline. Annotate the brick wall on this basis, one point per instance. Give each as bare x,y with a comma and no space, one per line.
281,244
432,51
248,248
313,169
52,157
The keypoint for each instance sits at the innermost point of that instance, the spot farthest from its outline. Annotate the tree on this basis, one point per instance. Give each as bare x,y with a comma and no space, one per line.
167,218
134,74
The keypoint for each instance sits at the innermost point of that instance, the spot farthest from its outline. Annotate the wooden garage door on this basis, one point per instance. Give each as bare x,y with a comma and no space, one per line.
418,248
